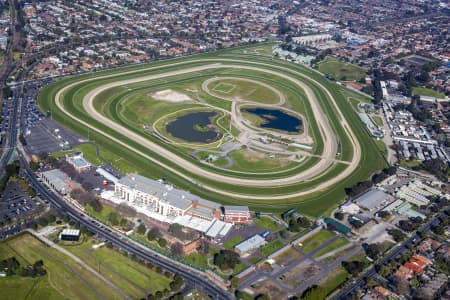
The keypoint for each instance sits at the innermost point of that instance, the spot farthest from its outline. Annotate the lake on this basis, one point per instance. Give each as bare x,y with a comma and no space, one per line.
276,119
194,128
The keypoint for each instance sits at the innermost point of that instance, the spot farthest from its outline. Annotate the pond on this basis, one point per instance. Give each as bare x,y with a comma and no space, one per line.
194,127
276,119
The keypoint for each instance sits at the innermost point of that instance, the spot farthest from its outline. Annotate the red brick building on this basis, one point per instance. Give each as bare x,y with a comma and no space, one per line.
236,214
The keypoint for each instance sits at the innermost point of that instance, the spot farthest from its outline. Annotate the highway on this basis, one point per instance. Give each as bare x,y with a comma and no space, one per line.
193,278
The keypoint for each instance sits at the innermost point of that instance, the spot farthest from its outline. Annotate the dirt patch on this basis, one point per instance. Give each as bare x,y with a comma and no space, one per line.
170,96
300,273
269,289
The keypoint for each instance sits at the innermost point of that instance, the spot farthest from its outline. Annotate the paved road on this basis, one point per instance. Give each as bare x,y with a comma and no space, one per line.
324,128
79,261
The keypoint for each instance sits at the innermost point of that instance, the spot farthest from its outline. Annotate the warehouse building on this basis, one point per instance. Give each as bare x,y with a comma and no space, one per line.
250,244
374,200
58,181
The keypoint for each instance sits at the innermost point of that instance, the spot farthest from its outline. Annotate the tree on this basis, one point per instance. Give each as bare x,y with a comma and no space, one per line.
339,215
397,234
42,221
153,234
384,214
176,249
203,248
373,251
226,259
353,267
113,218
96,205
141,229
162,242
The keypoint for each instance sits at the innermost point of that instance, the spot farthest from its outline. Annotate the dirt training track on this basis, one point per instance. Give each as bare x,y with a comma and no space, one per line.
329,139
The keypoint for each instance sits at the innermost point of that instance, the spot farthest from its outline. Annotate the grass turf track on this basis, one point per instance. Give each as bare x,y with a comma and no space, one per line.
312,204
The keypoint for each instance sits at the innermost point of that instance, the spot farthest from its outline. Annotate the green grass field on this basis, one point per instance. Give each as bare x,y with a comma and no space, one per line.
340,70
135,279
266,223
313,204
245,90
316,240
333,246
232,242
65,278
271,247
421,91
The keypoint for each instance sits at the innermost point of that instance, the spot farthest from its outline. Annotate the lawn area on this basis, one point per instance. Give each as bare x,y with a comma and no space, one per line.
410,163
316,240
266,223
427,92
101,216
378,121
333,246
381,146
333,280
271,247
229,245
65,279
89,153
135,279
340,70
197,259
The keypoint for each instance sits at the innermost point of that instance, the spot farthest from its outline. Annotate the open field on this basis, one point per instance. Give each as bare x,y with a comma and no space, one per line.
64,279
421,91
316,240
135,279
340,70
314,186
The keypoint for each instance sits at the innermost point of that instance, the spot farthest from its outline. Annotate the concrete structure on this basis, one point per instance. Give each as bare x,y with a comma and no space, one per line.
250,244
236,214
374,200
58,181
78,162
69,235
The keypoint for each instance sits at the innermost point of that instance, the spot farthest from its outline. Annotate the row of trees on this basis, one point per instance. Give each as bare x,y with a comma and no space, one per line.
363,186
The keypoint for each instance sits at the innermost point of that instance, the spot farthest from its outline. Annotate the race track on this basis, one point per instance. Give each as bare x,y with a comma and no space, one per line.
328,156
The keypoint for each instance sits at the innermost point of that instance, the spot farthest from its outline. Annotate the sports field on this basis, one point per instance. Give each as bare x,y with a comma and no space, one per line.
131,111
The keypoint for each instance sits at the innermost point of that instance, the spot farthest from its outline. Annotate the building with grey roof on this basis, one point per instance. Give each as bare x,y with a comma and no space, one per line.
374,200
250,244
164,198
58,181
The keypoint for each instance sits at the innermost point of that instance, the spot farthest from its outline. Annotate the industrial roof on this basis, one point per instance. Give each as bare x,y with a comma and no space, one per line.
230,208
373,199
57,178
254,242
107,175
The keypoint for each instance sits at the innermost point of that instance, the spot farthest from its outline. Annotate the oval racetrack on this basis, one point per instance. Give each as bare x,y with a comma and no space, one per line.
328,156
